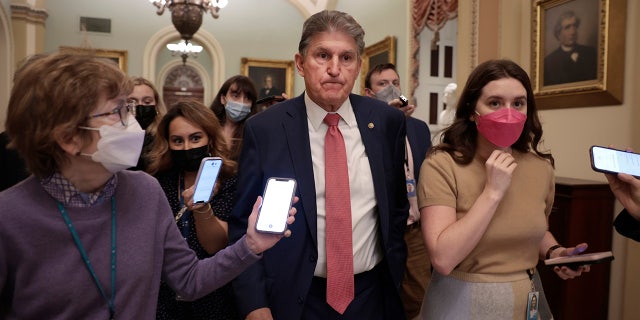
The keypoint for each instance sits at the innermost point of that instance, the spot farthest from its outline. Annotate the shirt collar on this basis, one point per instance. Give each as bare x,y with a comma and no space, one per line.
316,114
61,189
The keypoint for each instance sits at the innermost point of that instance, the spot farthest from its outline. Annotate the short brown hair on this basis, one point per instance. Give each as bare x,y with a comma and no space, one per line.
54,94
378,69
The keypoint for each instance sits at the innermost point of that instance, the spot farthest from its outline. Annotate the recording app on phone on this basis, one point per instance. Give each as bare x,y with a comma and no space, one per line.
209,169
611,160
275,205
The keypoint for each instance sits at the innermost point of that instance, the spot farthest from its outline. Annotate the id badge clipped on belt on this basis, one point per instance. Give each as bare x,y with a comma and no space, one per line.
411,188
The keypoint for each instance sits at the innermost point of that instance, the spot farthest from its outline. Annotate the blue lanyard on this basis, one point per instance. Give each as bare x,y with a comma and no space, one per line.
83,253
184,218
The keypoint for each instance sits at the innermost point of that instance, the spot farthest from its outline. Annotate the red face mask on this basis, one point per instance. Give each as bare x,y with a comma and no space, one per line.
502,127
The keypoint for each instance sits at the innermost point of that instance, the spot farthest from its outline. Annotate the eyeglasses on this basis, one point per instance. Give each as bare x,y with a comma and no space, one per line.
121,110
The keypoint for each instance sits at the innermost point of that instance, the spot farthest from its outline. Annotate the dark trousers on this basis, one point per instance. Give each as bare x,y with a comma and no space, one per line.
374,298
418,271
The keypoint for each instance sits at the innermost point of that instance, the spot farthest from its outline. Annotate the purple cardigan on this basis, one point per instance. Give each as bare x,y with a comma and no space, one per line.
42,274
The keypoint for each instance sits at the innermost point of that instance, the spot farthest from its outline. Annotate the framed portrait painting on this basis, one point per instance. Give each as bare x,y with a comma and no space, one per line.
383,51
118,56
271,77
578,53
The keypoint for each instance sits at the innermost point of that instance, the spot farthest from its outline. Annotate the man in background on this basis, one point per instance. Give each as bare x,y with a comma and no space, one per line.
338,264
570,62
268,89
382,82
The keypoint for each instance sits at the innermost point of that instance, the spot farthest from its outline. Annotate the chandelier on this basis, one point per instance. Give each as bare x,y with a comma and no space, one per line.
186,16
185,49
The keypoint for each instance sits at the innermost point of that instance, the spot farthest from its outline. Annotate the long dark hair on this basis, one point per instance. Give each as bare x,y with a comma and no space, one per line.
460,139
245,85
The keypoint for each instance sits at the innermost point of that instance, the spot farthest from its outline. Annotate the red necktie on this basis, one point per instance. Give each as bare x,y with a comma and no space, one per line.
338,232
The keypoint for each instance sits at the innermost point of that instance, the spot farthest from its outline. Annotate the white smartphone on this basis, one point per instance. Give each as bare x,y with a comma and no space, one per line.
206,179
610,160
276,202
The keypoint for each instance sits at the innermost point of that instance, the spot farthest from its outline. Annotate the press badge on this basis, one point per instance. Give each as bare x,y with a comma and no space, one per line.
411,188
532,305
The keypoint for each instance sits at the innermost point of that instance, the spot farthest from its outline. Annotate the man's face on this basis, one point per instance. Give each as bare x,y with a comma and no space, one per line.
268,82
329,68
569,32
380,80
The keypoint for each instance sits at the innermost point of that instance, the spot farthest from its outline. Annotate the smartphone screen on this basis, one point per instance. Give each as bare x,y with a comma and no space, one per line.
615,161
206,179
276,202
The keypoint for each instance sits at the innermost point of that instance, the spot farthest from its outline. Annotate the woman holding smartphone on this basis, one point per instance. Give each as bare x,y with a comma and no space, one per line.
188,133
485,205
82,237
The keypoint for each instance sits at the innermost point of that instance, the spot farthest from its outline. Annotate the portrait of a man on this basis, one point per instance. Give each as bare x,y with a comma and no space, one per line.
571,60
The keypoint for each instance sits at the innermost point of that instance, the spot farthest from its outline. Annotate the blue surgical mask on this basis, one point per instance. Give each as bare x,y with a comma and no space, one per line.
237,111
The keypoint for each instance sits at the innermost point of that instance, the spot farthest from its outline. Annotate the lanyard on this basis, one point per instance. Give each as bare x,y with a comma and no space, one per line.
186,214
83,253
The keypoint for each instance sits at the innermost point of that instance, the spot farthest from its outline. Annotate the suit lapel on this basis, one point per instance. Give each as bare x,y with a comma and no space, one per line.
297,133
370,124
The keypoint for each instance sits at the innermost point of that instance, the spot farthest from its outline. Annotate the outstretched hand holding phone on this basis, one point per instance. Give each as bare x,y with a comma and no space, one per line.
258,242
621,176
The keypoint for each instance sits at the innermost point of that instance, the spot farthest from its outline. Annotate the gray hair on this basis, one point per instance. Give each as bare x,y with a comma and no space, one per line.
564,16
325,21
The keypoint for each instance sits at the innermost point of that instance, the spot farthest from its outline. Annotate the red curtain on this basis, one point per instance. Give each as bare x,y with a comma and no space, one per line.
432,14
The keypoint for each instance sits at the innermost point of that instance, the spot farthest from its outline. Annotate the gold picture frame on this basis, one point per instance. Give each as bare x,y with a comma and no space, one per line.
281,72
118,56
383,51
603,24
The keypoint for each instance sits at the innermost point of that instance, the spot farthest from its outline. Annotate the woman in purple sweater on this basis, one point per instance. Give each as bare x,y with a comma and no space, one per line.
82,237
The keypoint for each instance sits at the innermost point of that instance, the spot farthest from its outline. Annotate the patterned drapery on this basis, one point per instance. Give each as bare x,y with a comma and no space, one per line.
432,14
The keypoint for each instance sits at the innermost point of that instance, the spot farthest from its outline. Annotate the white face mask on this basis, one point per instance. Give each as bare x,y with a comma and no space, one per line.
389,93
119,146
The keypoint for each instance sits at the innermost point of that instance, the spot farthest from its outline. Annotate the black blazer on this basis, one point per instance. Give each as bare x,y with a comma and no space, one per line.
627,226
420,140
276,144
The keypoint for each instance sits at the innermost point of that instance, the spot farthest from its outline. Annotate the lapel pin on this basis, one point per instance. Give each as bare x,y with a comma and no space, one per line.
370,125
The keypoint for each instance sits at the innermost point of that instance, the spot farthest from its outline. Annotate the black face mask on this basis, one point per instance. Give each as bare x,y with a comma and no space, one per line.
145,114
189,160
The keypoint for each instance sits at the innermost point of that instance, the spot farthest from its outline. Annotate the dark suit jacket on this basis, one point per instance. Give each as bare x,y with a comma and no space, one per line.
559,68
627,226
276,144
420,140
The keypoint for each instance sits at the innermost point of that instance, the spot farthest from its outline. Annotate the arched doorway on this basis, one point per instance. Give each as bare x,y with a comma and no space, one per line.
182,82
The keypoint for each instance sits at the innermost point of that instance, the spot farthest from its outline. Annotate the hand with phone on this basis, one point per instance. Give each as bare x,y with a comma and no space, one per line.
569,272
402,103
625,187
258,242
200,193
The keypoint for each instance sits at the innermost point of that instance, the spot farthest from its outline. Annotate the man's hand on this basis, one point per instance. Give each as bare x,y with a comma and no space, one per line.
408,109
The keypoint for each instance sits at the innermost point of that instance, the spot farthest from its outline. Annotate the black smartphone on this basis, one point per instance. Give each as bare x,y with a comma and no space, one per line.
270,99
206,179
403,100
276,202
574,262
610,160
